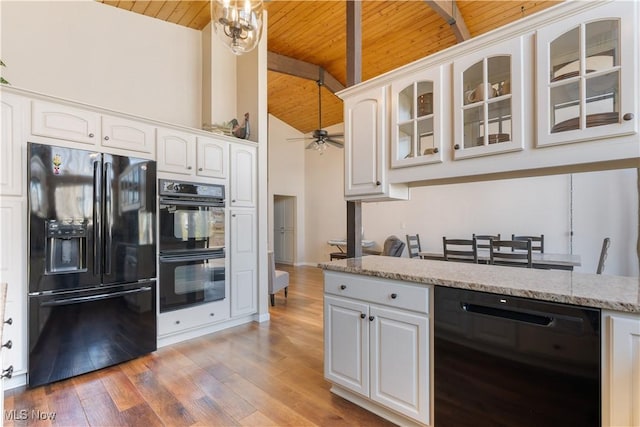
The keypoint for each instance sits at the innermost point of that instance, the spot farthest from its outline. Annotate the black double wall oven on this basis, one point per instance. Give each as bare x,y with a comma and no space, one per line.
192,244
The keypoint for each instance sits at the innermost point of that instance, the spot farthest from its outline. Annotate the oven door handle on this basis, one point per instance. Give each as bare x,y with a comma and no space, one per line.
90,298
195,203
183,258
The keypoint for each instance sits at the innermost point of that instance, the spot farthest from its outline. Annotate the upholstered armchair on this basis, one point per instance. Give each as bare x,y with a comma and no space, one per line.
278,280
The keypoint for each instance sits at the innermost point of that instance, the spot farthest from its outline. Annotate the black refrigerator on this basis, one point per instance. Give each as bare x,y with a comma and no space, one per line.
92,261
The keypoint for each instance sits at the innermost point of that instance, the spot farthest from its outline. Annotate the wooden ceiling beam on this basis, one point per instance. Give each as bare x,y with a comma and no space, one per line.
306,70
448,10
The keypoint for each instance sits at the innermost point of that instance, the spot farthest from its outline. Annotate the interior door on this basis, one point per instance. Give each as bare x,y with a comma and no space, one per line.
284,232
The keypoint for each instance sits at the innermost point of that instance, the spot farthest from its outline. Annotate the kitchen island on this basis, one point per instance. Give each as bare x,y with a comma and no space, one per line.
401,289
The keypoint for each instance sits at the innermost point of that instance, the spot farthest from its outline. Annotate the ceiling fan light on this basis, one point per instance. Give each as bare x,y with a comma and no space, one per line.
238,23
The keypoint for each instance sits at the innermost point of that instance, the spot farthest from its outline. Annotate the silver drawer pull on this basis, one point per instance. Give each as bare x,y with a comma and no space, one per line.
7,373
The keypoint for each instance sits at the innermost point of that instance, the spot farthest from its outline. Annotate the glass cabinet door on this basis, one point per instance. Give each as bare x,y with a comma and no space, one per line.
582,83
488,102
416,126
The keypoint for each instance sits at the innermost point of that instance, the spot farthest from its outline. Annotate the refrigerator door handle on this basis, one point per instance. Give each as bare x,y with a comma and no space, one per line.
97,218
77,300
108,216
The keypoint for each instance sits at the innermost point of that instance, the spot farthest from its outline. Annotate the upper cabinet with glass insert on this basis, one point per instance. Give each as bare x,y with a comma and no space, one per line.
587,83
416,117
488,101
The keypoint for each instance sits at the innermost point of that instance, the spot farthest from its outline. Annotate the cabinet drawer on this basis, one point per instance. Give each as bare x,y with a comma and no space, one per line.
378,291
201,315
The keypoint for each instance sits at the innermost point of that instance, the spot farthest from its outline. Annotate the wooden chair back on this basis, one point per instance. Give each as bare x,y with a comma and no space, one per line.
537,242
485,238
413,245
603,254
461,250
518,256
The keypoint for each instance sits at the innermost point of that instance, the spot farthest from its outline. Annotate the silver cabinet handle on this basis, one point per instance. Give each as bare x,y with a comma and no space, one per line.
106,138
90,135
9,321
189,167
8,344
7,373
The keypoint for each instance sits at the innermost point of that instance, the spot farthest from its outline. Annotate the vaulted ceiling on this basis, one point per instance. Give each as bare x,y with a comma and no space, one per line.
394,33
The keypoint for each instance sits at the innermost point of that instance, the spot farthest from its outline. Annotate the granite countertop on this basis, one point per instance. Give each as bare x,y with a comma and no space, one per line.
589,290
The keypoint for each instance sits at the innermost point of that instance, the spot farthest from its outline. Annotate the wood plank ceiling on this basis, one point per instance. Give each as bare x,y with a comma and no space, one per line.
394,33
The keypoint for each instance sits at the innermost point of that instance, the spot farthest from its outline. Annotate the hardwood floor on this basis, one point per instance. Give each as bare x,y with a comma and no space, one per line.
268,374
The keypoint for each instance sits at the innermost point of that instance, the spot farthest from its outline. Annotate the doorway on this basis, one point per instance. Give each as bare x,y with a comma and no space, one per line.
284,228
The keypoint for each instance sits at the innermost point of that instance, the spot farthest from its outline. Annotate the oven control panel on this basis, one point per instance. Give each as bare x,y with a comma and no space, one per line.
190,189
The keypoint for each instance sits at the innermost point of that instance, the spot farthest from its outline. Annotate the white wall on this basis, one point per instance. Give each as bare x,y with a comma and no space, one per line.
97,54
605,204
326,209
286,171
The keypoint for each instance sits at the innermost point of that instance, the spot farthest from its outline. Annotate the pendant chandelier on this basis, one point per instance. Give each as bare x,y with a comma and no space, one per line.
238,23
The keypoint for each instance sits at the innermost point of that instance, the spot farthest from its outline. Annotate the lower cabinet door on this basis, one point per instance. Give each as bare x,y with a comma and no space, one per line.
621,370
399,361
243,260
346,341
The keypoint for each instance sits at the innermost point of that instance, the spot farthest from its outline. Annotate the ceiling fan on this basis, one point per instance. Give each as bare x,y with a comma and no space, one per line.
320,137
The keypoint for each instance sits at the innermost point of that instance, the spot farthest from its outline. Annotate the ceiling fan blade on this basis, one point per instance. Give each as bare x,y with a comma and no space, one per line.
306,138
335,143
335,135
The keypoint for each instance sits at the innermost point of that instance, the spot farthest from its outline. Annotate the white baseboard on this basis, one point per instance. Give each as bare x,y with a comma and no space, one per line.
166,340
264,317
16,380
371,406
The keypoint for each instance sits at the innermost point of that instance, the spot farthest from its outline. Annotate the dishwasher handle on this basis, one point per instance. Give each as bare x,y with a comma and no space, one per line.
518,316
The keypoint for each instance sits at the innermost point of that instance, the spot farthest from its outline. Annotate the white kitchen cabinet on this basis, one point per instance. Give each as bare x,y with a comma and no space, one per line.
190,154
243,257
620,369
243,183
211,157
176,151
129,135
13,272
416,119
61,121
64,122
182,320
346,344
377,336
12,176
488,100
586,75
365,150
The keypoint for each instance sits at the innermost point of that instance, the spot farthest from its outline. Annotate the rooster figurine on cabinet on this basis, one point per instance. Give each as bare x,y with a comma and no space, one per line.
240,132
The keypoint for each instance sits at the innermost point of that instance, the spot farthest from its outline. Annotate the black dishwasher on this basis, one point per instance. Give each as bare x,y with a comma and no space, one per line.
516,362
